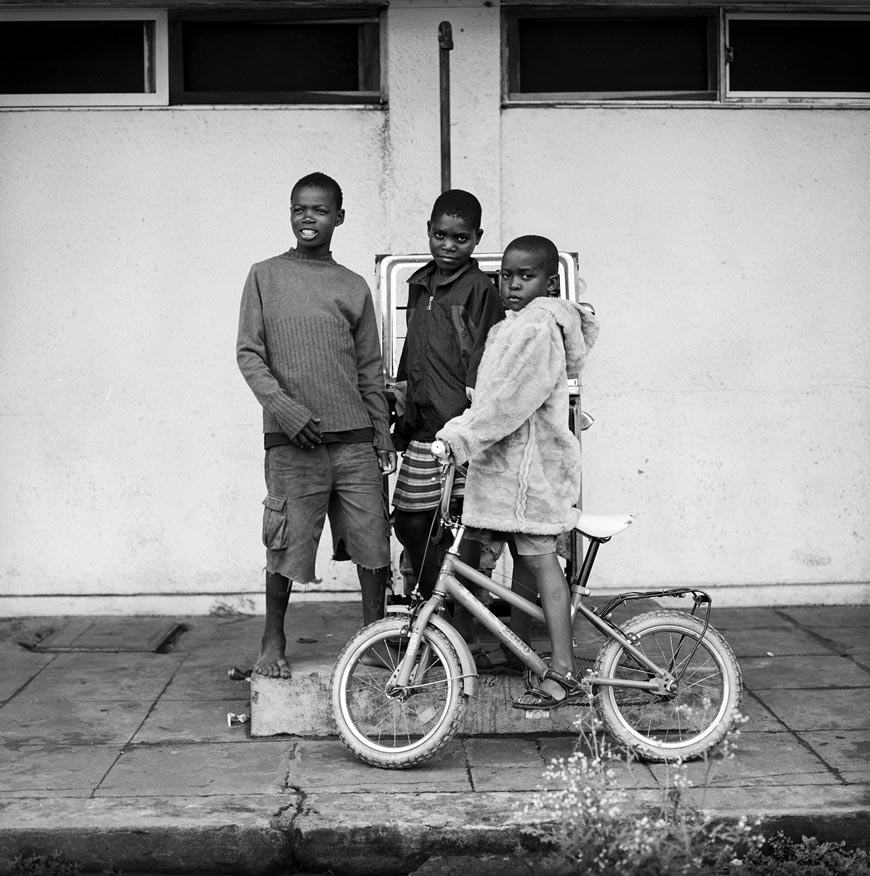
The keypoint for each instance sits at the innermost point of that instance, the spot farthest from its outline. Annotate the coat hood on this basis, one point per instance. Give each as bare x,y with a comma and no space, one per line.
578,324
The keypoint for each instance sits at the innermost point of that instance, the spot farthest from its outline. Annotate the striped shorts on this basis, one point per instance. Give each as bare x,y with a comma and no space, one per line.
418,487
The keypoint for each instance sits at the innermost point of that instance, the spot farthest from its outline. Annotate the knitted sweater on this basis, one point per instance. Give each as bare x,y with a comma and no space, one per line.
524,462
308,347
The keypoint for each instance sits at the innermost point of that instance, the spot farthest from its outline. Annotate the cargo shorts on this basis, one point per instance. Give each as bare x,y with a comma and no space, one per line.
343,481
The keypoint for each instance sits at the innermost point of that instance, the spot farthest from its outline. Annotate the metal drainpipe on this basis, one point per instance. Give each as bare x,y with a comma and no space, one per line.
445,46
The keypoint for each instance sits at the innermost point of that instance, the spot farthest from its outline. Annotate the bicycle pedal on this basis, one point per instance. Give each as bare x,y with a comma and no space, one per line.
536,714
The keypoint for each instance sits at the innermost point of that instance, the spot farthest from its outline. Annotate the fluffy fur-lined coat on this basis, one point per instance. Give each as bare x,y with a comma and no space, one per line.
524,462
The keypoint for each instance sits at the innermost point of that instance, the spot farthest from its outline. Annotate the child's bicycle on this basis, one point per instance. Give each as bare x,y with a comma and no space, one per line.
665,684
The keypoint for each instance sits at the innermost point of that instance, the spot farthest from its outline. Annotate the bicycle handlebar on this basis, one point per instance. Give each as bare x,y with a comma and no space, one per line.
440,451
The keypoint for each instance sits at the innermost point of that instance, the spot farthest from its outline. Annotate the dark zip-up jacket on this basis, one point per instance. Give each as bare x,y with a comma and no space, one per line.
447,331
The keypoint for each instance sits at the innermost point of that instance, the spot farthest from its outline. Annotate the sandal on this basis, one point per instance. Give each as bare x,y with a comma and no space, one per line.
575,693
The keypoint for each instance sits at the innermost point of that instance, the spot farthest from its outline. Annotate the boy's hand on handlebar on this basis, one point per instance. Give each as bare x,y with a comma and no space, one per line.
441,451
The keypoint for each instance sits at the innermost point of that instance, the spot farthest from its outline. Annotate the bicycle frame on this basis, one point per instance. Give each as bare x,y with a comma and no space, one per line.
448,584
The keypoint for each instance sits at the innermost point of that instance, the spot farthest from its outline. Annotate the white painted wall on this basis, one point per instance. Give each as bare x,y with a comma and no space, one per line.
728,255
131,447
726,251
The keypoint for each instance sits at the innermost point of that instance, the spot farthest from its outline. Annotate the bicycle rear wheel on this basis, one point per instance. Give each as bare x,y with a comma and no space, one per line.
697,715
391,728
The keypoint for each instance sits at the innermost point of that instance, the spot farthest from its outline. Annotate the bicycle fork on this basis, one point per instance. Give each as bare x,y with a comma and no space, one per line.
415,661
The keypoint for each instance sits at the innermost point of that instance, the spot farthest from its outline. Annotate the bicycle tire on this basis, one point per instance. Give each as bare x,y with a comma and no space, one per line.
687,723
396,732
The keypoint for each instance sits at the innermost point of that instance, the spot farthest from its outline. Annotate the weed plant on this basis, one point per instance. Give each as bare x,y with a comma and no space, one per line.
592,824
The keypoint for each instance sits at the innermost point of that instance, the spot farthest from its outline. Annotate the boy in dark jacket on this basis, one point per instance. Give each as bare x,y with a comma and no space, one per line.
452,305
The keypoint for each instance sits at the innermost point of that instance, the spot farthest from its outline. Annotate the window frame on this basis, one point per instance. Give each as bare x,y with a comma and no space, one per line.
767,97
155,46
369,17
512,15
718,97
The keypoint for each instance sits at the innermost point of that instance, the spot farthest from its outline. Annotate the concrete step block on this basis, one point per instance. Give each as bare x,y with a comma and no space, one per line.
300,706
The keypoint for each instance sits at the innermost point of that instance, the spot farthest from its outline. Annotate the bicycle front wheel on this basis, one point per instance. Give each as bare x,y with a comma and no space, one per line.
389,727
681,725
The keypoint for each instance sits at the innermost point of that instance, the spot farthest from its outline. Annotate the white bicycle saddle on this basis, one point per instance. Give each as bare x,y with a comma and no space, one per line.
602,525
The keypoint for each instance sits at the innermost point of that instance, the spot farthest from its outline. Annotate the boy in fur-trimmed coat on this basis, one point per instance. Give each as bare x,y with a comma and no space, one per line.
524,462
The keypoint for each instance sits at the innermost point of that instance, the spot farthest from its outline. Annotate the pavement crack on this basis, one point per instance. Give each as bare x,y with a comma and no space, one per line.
836,773
830,644
284,818
766,708
286,762
467,765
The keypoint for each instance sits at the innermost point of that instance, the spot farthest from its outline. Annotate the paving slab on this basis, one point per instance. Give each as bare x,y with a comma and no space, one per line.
758,715
840,616
120,666
195,680
845,751
843,709
518,763
779,641
847,640
111,635
70,721
245,767
31,770
15,677
728,619
326,765
13,656
802,672
232,631
510,763
192,721
144,677
628,773
768,759
20,665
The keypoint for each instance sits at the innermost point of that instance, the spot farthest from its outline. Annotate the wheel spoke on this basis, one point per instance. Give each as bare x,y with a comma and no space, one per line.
696,713
396,726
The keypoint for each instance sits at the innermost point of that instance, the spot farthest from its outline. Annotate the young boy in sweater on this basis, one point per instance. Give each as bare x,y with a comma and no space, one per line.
524,462
308,347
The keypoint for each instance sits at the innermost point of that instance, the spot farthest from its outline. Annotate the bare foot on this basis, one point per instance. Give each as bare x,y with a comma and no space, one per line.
272,662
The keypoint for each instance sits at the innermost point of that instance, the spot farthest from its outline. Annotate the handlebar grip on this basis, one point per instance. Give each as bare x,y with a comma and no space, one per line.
439,450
